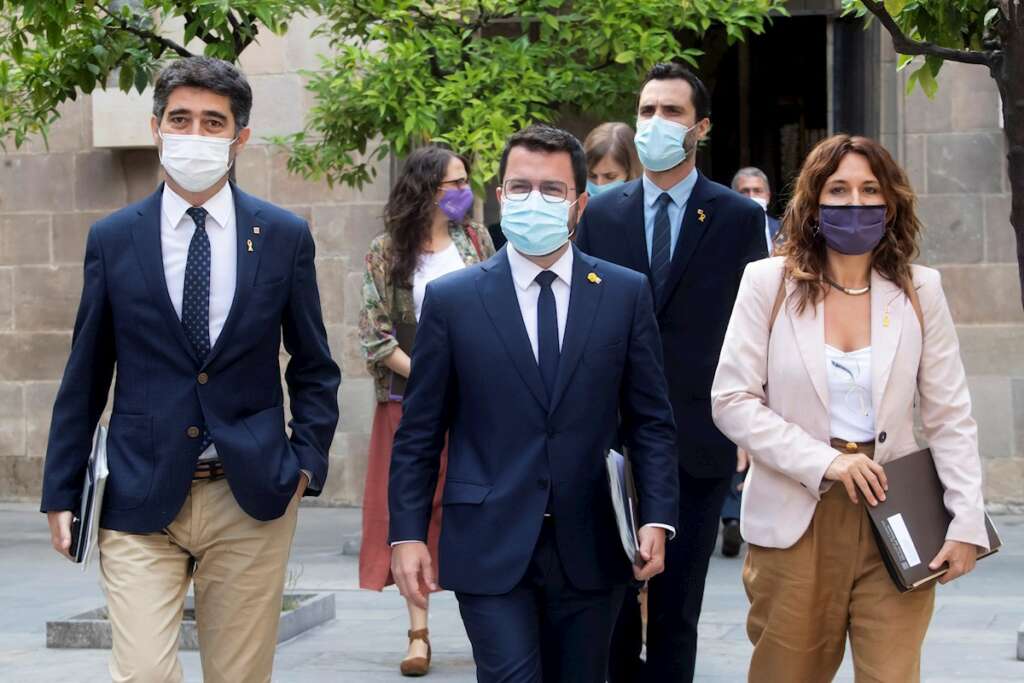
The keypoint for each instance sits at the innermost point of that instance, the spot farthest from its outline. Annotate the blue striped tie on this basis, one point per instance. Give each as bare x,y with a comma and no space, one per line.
661,247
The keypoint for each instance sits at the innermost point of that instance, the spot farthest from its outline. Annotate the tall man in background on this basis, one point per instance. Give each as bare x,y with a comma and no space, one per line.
188,294
692,238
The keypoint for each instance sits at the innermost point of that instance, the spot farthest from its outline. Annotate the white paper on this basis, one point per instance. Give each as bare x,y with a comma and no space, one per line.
899,530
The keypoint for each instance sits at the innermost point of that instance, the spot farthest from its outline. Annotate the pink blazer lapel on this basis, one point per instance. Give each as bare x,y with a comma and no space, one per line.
888,312
809,331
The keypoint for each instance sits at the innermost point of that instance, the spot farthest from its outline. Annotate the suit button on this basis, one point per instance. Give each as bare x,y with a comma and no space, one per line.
542,484
193,432
882,437
203,378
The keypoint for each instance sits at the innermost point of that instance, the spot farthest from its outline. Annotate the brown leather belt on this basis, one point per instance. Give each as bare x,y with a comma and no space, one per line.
867,448
209,470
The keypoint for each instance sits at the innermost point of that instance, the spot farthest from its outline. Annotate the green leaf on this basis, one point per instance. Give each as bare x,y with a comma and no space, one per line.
990,16
626,57
894,7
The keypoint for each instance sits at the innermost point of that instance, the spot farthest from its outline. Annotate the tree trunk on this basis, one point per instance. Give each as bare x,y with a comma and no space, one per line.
1009,75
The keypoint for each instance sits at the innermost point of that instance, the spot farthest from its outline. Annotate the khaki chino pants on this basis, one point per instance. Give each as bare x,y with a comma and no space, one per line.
238,567
806,599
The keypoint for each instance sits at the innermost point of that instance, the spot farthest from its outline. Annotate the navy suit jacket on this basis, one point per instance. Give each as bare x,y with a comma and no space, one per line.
126,320
722,231
510,446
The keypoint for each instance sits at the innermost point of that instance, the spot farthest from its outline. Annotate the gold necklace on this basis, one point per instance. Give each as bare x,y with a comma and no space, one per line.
847,290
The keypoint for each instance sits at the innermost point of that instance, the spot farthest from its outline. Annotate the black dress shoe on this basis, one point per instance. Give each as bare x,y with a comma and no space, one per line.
731,538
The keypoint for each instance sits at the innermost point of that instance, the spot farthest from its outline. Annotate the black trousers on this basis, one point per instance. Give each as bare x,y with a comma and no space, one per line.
544,630
674,597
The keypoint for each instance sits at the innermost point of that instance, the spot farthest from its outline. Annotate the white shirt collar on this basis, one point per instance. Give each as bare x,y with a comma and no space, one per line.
525,271
219,207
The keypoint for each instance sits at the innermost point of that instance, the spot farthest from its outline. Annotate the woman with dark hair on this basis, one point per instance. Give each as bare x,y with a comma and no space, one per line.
427,235
828,344
611,157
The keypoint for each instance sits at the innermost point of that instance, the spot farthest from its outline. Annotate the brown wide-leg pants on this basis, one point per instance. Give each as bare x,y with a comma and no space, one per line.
238,567
806,599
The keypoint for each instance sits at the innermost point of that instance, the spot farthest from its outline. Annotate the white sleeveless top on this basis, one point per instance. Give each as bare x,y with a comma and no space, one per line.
849,388
431,266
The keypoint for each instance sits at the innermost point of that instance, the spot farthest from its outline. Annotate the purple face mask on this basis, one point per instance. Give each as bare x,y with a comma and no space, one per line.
850,229
455,203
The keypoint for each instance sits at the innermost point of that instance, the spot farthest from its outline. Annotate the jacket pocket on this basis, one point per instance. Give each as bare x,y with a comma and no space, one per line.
464,493
130,461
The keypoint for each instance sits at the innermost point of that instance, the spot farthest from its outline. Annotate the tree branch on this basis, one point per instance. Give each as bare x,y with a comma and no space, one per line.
907,46
144,34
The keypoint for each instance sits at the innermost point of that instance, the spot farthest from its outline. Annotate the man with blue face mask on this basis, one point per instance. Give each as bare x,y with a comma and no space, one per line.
693,238
527,361
188,295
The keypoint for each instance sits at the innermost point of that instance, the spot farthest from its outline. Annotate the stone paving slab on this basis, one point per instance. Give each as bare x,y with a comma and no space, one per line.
973,635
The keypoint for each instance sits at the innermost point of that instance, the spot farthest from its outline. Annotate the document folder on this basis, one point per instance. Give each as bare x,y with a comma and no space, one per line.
85,524
624,503
910,524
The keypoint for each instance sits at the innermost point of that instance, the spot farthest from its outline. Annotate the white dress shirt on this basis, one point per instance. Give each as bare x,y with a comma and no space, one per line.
176,231
524,274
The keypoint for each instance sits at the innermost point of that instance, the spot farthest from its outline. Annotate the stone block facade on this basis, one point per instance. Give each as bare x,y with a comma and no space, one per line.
954,151
951,146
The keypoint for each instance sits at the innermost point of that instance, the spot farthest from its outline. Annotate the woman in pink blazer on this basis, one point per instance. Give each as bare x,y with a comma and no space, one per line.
828,344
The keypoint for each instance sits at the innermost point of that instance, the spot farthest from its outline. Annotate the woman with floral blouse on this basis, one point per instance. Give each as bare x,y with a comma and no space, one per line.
426,235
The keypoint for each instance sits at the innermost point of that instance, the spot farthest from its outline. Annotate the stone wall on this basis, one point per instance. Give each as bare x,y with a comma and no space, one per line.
50,196
954,151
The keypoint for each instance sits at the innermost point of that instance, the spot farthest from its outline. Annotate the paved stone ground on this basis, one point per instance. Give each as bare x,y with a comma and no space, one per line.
973,634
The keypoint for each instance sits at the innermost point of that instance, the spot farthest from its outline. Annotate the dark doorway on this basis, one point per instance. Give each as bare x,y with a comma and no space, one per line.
770,103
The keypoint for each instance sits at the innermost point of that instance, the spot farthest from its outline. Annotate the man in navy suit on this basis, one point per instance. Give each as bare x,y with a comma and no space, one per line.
526,362
188,295
692,238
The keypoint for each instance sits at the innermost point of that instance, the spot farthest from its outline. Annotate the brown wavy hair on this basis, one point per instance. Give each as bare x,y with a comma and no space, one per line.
409,211
802,244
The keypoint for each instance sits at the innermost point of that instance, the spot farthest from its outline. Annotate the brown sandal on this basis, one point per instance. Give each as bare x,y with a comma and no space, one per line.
417,666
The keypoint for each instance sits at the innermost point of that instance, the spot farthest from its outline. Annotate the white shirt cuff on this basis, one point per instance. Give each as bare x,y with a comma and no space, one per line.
401,542
671,530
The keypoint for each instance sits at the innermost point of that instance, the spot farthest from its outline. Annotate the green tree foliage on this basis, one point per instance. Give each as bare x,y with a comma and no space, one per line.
471,72
50,50
988,33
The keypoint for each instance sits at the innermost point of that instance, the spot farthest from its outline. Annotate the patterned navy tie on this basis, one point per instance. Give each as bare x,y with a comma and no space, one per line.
547,331
661,247
195,300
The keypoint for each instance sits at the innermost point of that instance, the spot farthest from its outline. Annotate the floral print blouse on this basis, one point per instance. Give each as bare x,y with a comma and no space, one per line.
387,304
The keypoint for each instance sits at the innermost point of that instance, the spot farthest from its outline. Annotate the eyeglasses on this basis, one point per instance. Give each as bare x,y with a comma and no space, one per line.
856,397
459,183
517,190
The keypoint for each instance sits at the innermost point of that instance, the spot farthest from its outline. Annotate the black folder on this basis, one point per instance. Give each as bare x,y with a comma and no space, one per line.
910,525
85,522
405,333
624,503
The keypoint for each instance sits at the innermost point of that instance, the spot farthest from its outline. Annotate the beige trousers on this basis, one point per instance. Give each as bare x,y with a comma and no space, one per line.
806,599
238,567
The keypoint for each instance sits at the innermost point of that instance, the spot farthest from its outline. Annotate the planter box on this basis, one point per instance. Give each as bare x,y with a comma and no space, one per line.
301,612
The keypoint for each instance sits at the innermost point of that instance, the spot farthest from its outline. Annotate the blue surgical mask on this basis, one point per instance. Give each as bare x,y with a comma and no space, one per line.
593,189
660,143
535,226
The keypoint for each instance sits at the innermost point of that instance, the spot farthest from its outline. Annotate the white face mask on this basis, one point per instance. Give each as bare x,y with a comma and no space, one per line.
195,162
761,201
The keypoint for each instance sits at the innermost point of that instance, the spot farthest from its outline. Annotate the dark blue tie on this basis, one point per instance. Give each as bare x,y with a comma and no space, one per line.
195,299
547,331
661,247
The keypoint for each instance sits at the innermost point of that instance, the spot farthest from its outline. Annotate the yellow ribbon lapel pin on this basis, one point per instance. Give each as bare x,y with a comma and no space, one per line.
594,278
701,216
